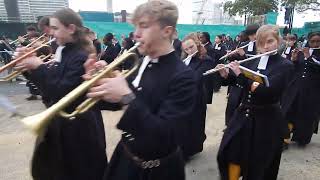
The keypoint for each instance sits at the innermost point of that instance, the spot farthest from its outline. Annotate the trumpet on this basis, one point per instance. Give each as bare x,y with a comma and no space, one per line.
15,61
234,51
15,74
13,42
214,70
38,123
36,40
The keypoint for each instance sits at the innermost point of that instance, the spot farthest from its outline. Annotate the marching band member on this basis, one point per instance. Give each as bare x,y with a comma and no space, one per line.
199,62
251,144
302,100
158,101
291,45
67,149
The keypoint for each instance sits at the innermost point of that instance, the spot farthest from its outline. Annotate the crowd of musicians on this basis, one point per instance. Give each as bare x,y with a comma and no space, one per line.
165,99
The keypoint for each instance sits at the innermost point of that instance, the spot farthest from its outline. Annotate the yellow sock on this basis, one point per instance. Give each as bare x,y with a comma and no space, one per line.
234,171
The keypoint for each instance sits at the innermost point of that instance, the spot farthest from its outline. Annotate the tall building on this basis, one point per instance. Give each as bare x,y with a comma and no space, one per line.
210,12
109,6
29,10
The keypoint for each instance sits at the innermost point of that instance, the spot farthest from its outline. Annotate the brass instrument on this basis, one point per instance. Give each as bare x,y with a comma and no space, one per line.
234,51
36,40
214,70
15,74
38,123
15,61
13,42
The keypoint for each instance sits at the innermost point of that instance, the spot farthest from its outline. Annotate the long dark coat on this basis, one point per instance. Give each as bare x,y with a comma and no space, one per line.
302,99
234,92
253,138
197,134
287,53
69,149
155,122
211,79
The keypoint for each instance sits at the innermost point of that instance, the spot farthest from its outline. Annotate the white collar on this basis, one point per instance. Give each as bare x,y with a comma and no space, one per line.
58,54
251,45
143,66
311,51
263,63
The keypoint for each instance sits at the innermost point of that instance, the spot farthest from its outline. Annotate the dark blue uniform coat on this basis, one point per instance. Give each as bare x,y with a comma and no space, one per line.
253,138
69,149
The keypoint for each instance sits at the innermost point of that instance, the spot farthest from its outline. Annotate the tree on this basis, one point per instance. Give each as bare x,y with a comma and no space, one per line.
302,5
250,7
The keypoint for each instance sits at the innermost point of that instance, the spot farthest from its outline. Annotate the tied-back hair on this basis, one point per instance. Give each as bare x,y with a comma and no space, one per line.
67,16
202,52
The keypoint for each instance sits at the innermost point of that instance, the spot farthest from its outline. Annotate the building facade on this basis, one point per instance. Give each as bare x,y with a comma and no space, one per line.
210,12
29,10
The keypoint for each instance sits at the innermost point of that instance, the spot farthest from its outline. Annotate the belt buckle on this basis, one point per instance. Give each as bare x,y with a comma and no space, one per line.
150,164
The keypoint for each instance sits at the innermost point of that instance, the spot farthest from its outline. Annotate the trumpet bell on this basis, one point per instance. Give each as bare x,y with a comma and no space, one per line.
39,122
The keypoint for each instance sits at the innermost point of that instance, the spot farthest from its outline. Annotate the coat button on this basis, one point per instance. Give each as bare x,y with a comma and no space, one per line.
150,65
248,110
249,100
249,96
247,115
303,76
139,89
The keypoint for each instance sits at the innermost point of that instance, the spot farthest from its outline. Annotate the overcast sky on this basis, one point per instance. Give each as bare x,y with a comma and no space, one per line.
185,9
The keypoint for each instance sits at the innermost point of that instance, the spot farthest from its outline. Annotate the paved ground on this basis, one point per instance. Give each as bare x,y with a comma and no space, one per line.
16,142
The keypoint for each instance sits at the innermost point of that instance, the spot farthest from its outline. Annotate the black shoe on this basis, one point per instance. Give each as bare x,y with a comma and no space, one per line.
32,97
285,146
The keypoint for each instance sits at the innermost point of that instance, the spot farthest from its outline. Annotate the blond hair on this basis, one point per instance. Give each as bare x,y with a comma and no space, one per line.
265,31
162,11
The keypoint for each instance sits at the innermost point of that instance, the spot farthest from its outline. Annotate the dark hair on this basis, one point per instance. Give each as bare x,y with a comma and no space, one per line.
131,35
67,16
44,21
220,37
251,29
311,34
129,42
108,37
291,37
31,28
207,36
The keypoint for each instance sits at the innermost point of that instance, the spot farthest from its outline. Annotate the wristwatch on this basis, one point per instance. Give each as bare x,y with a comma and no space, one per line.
126,99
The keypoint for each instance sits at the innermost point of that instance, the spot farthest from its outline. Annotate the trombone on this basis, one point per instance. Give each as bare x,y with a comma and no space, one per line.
15,61
38,123
214,70
15,74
